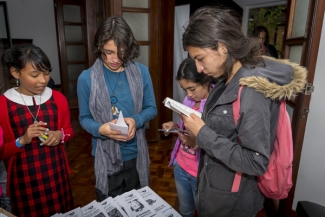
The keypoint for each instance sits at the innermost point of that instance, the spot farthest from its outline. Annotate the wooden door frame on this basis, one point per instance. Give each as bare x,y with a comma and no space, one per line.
310,42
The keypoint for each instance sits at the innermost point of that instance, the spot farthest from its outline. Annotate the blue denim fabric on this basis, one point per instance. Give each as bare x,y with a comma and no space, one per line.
186,190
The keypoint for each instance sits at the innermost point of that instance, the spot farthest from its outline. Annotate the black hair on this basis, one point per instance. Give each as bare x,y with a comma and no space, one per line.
210,25
19,55
115,28
187,70
256,33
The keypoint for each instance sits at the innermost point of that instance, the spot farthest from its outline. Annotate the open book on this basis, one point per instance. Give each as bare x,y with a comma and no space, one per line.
179,107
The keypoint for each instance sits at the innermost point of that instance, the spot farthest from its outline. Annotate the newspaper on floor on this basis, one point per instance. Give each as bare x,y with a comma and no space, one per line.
93,209
73,213
153,199
179,107
123,206
138,206
112,208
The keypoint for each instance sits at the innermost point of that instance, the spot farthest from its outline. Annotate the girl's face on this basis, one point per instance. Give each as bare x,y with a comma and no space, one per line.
195,91
209,61
110,57
32,81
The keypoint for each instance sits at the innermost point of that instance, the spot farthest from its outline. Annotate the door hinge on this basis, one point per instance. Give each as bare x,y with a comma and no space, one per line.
309,88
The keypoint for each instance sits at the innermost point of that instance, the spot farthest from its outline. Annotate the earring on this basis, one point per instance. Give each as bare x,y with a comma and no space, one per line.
225,52
17,82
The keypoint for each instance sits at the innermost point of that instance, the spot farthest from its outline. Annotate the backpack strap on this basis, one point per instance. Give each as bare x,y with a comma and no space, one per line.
235,112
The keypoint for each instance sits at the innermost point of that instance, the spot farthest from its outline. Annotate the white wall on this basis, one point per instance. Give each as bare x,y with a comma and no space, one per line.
36,20
311,176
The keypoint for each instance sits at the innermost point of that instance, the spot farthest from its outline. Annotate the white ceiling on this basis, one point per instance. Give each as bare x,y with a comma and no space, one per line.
243,3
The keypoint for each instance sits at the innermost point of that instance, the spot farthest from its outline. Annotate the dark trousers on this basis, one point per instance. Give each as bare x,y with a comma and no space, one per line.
121,182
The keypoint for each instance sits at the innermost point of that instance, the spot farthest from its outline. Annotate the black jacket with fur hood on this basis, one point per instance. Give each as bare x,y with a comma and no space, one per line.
222,155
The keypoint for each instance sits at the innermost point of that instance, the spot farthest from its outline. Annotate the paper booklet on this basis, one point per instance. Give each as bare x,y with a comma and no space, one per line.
179,107
120,125
93,209
138,206
112,208
73,213
154,200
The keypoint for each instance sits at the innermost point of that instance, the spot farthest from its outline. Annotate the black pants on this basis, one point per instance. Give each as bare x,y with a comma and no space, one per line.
124,181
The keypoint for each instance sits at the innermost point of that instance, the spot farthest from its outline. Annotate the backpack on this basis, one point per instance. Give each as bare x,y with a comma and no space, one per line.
276,182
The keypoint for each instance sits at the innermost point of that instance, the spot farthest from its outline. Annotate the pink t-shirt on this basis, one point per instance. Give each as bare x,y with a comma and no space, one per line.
186,157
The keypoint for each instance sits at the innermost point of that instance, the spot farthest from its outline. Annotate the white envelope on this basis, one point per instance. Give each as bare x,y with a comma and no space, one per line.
120,125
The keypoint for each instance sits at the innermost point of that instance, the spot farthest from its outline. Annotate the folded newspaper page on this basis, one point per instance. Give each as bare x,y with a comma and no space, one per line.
93,209
138,206
179,107
112,208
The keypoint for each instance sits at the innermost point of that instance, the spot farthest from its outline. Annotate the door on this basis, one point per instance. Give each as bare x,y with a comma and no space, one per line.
300,45
76,22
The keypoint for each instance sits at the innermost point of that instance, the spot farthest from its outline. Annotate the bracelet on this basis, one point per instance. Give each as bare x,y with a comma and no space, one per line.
18,143
63,135
196,147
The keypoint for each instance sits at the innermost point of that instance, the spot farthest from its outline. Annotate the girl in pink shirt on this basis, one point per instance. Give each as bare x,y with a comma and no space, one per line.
184,158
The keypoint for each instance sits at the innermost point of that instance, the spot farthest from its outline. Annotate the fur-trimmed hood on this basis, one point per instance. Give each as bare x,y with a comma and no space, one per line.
273,79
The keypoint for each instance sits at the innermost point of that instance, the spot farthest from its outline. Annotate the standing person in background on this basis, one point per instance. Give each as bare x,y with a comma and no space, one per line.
262,35
37,170
5,201
215,41
186,158
114,84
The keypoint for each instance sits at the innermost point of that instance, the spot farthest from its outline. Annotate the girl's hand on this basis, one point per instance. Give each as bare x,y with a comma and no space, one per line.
132,127
193,123
33,130
54,138
169,125
106,130
187,139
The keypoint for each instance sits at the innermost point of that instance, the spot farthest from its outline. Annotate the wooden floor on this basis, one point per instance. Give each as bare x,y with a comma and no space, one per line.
82,176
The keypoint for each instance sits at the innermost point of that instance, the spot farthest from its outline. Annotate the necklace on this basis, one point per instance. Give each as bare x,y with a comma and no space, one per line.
113,98
39,106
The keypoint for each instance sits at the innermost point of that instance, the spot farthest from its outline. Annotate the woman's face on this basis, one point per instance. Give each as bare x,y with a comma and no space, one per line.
32,81
262,37
110,57
195,91
209,61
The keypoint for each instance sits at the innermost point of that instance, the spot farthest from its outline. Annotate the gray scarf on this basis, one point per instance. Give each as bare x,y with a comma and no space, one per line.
108,158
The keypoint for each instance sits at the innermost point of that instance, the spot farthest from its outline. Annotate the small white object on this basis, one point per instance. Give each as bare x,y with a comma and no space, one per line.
120,125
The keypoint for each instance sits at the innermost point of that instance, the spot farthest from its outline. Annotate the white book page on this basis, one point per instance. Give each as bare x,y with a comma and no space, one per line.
112,208
123,205
153,199
74,213
179,107
138,206
171,212
93,209
120,125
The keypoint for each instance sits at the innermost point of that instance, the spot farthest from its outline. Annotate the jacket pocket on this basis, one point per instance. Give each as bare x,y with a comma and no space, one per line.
215,197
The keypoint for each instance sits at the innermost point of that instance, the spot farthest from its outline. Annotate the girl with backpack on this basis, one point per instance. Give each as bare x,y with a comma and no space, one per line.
215,41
